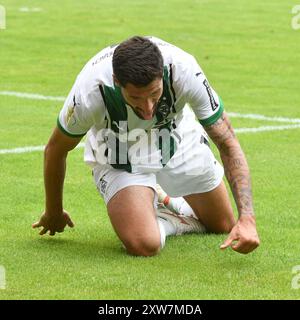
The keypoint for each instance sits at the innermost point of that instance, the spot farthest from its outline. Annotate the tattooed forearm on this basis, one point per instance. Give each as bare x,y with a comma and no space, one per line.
221,132
235,163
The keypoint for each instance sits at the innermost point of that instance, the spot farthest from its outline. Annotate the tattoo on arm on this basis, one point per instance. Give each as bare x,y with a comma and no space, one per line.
235,163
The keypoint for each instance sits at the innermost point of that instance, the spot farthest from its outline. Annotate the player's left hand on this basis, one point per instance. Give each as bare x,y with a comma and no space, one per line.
53,222
243,237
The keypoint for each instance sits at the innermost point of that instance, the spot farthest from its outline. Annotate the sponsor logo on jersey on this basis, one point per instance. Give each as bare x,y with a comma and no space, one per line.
106,55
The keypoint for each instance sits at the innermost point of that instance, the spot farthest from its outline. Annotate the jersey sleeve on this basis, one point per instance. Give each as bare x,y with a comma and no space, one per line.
205,102
75,118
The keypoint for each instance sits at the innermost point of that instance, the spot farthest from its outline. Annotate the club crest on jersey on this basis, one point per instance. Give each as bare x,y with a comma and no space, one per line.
163,109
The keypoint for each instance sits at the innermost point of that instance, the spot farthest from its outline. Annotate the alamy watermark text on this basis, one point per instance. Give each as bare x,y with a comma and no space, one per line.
2,18
2,278
295,23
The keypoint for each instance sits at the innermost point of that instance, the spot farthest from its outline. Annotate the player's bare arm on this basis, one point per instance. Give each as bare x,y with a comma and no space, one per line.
238,176
235,164
54,219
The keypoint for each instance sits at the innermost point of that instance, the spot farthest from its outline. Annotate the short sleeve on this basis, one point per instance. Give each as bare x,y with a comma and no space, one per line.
205,102
75,118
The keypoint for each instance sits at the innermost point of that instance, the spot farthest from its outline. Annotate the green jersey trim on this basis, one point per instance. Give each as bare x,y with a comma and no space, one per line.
116,107
66,132
211,120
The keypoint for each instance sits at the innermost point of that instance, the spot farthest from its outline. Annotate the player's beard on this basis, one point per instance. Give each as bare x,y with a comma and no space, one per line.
139,115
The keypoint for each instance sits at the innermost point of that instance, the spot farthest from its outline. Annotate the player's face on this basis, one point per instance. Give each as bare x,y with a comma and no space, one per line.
143,100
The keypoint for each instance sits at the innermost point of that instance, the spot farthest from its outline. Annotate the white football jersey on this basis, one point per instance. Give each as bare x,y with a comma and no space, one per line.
95,103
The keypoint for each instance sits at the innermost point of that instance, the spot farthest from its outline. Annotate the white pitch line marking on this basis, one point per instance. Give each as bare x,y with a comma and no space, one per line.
30,149
262,117
36,96
267,128
80,145
22,149
33,96
26,9
231,114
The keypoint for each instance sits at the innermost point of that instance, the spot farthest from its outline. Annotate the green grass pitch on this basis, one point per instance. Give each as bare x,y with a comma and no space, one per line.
251,56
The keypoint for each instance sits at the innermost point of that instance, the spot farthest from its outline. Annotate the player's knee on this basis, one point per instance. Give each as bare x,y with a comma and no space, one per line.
225,226
143,247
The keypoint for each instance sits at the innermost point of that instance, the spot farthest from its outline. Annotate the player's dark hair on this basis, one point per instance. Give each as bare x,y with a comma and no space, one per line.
137,61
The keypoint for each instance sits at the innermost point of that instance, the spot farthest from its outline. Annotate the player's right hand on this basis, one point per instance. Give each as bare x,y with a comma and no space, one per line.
53,223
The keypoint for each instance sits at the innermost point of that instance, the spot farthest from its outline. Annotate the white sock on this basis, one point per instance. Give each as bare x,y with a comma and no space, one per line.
180,206
186,210
162,232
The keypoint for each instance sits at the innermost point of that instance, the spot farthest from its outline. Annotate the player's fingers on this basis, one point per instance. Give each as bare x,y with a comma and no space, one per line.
245,247
228,242
52,233
242,248
43,231
70,222
36,224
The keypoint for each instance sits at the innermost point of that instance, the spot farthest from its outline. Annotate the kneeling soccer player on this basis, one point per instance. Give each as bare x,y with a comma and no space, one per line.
148,110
